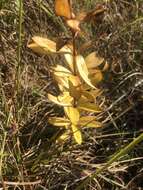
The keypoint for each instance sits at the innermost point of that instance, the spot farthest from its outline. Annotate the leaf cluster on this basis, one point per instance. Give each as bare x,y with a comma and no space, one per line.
77,79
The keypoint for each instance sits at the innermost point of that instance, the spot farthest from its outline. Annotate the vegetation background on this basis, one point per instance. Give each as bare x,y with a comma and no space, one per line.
29,156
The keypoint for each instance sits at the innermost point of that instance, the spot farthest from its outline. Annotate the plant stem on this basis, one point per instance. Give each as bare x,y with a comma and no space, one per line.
74,59
74,53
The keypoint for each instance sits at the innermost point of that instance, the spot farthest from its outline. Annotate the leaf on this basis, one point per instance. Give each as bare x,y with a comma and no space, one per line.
62,41
62,82
89,96
93,61
58,121
61,75
95,76
106,66
61,71
75,87
63,137
96,93
69,59
89,121
74,24
82,69
88,16
73,114
75,80
62,8
90,107
77,134
62,100
37,49
43,44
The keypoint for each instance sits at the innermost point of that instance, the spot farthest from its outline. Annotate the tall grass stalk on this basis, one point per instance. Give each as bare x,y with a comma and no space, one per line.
2,155
18,66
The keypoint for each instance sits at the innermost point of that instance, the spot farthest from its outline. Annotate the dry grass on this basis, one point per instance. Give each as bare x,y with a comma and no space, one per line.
28,149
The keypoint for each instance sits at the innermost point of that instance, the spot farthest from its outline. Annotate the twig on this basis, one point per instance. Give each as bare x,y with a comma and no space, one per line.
21,183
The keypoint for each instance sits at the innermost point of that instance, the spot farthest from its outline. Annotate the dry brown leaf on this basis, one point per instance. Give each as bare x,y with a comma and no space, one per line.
62,8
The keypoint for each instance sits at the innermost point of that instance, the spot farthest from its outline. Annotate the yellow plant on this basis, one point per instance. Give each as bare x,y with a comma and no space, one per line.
77,79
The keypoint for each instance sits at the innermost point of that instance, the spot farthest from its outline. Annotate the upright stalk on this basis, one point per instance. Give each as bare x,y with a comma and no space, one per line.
74,59
2,156
74,52
18,67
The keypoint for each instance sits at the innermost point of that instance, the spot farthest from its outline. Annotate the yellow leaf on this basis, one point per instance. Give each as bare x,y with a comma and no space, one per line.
69,59
61,75
93,61
83,71
45,44
89,121
62,100
75,80
77,134
73,114
62,8
63,137
61,71
90,97
62,82
58,121
90,107
75,87
73,24
37,49
106,66
95,76
96,92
